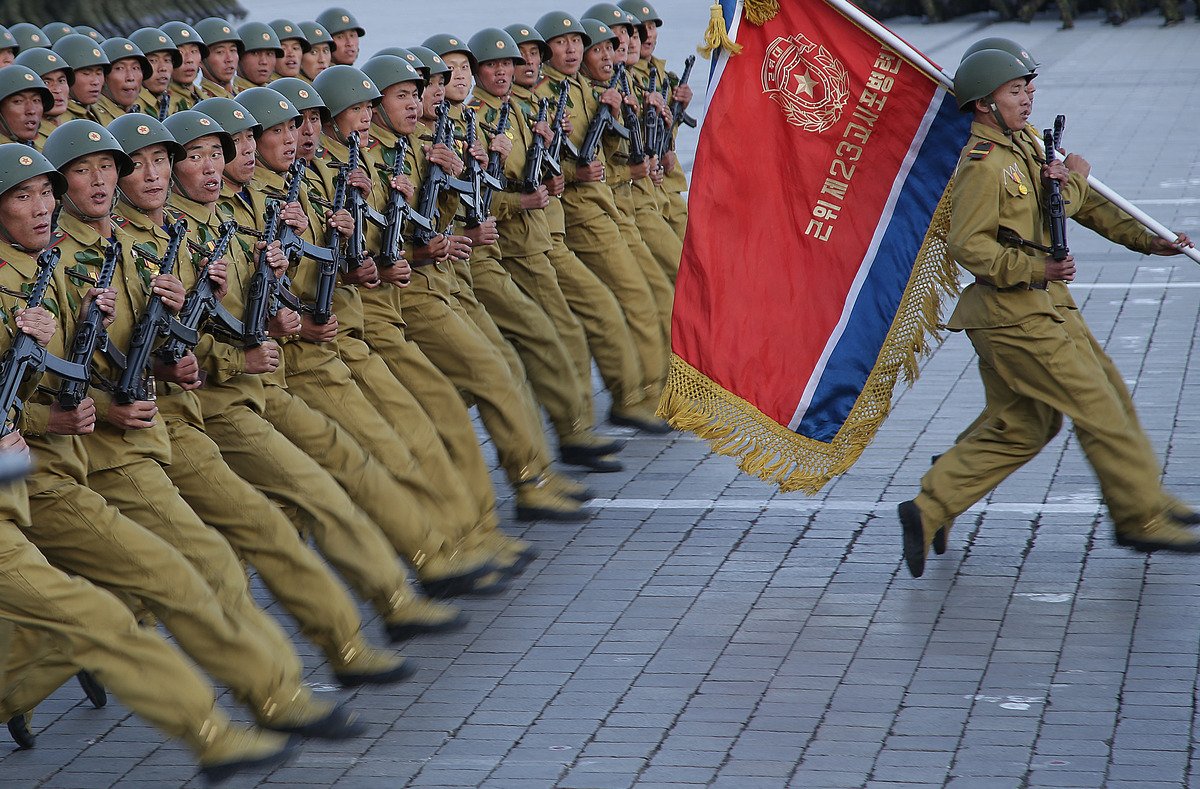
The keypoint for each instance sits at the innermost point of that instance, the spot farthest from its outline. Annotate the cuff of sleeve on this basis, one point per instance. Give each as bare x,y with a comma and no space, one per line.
35,419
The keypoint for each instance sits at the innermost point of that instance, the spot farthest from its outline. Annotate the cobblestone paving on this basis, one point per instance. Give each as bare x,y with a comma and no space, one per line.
702,631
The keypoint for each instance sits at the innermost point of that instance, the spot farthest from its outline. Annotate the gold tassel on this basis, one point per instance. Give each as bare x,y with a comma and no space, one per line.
717,35
760,12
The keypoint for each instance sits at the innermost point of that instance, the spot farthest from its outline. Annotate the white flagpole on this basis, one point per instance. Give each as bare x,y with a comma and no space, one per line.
920,61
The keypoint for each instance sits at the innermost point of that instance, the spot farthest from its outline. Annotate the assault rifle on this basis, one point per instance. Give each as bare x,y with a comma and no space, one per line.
559,132
397,213
327,277
602,123
164,105
679,113
266,291
25,357
294,247
652,119
1055,206
201,303
535,157
478,198
437,180
89,334
495,168
637,148
155,322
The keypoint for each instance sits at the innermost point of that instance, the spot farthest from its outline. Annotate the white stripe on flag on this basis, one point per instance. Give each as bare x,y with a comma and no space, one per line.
869,260
722,61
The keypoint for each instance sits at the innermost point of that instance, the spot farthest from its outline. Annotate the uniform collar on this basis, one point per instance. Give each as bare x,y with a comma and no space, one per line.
139,219
990,134
495,102
24,263
112,108
77,229
268,178
553,74
387,138
202,213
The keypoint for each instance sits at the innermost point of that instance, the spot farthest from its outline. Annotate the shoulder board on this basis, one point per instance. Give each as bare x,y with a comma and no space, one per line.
475,103
981,150
119,220
56,239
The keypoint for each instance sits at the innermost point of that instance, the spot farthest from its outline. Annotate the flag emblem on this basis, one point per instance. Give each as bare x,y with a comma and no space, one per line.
811,88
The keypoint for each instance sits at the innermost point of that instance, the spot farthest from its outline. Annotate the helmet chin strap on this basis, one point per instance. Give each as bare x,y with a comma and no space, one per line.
995,110
73,209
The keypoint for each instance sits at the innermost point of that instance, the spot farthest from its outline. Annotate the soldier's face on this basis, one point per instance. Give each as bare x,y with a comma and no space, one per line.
124,81
22,114
161,67
258,65
7,56
277,146
198,173
222,62
434,93
241,168
88,84
496,76
402,106
459,85
187,71
60,89
1012,103
308,134
566,53
355,119
649,39
598,61
527,75
1030,89
621,50
25,212
347,47
146,186
634,51
315,61
91,184
289,64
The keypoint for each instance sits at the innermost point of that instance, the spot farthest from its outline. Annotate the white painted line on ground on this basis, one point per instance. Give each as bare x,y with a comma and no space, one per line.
1135,285
808,507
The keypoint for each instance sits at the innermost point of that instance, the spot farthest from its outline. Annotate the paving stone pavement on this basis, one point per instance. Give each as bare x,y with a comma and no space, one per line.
703,631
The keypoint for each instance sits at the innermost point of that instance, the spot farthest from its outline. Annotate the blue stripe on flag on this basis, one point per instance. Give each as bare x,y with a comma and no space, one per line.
856,352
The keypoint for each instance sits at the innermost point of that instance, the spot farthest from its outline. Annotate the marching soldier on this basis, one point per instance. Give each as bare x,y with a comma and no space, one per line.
123,82
164,58
294,44
345,31
220,62
319,55
192,50
57,76
90,67
262,50
24,100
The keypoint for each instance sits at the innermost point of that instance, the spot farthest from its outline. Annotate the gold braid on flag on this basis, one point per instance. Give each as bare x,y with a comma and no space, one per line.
760,12
691,401
716,36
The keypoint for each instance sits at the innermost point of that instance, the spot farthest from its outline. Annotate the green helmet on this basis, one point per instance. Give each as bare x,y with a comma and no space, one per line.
19,163
187,126
122,49
642,11
15,78
183,33
388,70
7,41
81,52
599,32
431,61
56,30
90,32
1004,45
492,43
407,56
215,30
980,74
135,131
609,14
344,86
446,43
560,23
151,39
82,137
29,36
268,106
45,61
317,34
527,34
257,35
286,29
231,116
339,20
301,94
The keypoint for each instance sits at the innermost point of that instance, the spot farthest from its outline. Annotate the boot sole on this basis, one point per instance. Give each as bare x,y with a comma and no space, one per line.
1149,546
22,736
217,773
560,516
600,464
337,725
456,585
92,688
398,633
913,543
398,674
637,424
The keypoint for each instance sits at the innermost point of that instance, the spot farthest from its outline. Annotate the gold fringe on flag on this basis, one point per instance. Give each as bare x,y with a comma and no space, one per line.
716,36
760,12
693,402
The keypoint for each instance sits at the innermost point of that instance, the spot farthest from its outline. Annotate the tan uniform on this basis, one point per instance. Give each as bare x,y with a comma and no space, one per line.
108,110
183,97
209,89
670,195
654,204
77,110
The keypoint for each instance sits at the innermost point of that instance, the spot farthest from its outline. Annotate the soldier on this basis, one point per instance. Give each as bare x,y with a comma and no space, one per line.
90,32
122,89
1029,9
90,67
591,232
220,63
164,58
256,529
1172,14
57,76
346,31
56,30
1044,368
319,55
28,36
524,235
8,47
193,50
294,43
261,52
24,100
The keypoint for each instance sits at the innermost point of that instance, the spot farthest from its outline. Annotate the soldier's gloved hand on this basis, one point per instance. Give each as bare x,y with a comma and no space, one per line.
78,421
106,300
590,173
502,145
1077,164
538,198
404,185
556,185
263,359
318,332
398,274
1060,270
683,94
294,217
483,235
366,275
37,322
185,373
168,288
138,415
1161,246
285,323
